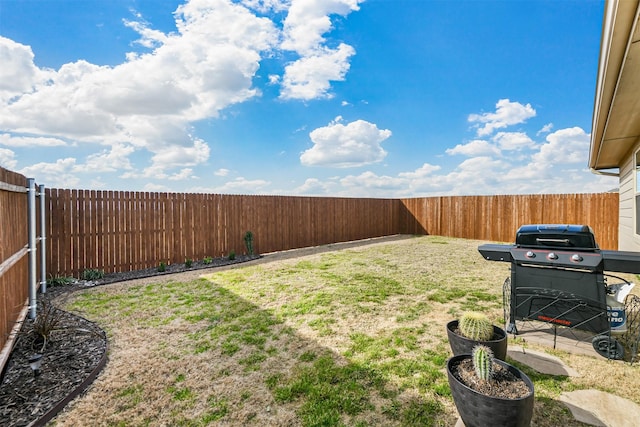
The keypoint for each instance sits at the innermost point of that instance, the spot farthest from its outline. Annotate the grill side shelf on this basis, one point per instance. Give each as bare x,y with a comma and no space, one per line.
621,261
495,252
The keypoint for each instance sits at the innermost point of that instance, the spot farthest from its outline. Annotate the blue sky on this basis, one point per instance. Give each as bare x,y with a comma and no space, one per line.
375,98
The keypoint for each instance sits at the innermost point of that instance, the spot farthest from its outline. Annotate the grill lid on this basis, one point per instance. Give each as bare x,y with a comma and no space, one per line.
577,237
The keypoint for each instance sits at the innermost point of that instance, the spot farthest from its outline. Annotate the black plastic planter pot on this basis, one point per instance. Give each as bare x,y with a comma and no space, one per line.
463,345
479,410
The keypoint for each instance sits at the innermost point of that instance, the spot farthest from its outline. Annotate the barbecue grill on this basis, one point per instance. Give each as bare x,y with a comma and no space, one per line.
558,277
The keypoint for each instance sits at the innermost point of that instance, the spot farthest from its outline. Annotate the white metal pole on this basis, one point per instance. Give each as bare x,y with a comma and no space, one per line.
43,241
31,212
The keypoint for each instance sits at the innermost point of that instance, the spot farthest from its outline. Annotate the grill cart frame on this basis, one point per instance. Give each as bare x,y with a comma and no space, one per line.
558,277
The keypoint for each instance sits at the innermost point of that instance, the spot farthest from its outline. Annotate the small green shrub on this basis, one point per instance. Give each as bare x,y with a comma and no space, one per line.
248,241
60,281
162,267
207,260
92,274
188,262
232,255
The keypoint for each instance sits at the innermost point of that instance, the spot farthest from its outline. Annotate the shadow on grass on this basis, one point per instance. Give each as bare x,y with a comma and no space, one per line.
211,356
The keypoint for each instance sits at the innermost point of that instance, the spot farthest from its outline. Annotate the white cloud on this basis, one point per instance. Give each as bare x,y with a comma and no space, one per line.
569,145
423,171
274,79
477,175
559,166
310,77
543,168
338,145
474,148
242,186
182,175
513,140
54,175
545,129
8,158
175,155
148,103
18,74
304,27
308,20
27,141
156,188
150,100
150,38
264,6
315,187
372,183
221,172
507,114
109,160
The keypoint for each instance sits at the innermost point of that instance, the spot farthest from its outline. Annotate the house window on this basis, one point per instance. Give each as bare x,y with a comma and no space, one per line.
637,191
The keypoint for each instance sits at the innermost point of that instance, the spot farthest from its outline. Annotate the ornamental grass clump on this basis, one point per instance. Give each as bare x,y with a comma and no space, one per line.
476,326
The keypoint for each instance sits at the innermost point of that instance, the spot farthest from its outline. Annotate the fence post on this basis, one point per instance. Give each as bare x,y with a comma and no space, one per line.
31,213
43,241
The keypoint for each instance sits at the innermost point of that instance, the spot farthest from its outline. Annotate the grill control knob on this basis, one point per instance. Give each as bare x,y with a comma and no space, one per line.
576,258
530,254
552,255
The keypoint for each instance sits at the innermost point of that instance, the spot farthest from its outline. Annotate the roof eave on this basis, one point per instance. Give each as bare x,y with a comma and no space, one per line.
617,27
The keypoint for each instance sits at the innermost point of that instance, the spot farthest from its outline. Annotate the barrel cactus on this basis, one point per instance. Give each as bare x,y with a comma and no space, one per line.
483,362
476,326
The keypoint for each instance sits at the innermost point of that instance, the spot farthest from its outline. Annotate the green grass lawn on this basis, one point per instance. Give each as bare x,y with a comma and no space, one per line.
346,338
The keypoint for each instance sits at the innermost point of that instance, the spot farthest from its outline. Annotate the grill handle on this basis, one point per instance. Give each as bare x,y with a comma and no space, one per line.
557,242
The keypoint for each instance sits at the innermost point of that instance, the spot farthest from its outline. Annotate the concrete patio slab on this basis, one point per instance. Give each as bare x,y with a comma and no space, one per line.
571,341
598,408
541,362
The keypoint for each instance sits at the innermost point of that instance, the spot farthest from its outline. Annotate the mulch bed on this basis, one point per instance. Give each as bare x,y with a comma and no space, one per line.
71,355
74,352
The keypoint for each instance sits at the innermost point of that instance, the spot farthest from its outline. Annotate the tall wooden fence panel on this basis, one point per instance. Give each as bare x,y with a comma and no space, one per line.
14,290
496,218
122,231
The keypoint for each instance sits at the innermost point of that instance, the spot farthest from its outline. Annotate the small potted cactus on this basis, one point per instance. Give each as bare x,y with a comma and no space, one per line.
475,328
488,391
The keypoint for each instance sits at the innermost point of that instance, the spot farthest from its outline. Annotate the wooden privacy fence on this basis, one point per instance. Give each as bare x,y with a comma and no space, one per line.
496,218
14,280
122,231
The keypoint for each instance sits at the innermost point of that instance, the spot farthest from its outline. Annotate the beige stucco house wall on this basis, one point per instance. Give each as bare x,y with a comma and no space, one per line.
615,133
